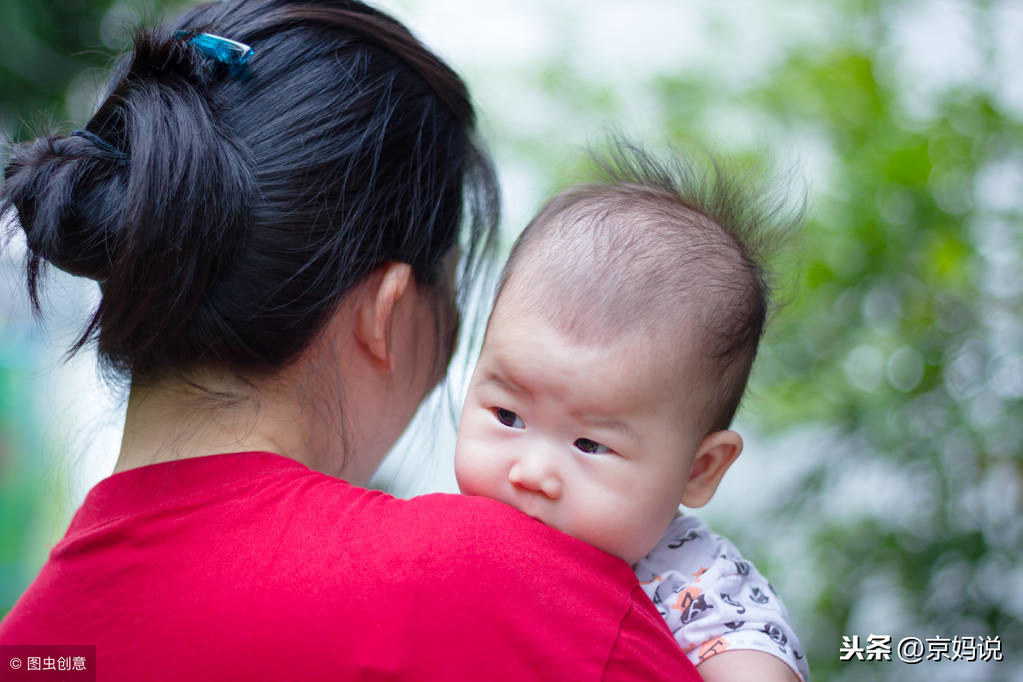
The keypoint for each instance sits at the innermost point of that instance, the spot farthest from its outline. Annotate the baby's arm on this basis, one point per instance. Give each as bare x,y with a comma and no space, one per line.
722,612
745,665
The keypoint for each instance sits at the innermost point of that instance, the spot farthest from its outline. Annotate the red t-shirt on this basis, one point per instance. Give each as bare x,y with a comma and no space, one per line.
251,566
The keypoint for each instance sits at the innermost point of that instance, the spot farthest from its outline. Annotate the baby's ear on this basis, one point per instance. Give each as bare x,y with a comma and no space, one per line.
715,454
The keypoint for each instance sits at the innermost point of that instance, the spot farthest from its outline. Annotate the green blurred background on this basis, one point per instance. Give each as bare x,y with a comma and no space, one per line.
881,488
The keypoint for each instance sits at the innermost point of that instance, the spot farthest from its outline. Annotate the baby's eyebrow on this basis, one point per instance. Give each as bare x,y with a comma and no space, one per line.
607,422
505,383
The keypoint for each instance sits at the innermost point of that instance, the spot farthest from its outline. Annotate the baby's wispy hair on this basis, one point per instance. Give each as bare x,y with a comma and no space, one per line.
673,246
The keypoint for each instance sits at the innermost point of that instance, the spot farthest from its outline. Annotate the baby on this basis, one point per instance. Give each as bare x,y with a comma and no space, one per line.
625,326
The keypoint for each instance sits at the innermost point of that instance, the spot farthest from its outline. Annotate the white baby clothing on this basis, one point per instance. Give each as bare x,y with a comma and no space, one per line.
713,600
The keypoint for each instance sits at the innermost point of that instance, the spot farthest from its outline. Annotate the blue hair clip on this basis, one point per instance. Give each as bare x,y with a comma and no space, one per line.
224,50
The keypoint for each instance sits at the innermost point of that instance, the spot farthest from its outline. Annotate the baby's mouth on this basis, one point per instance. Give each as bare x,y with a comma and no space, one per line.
530,504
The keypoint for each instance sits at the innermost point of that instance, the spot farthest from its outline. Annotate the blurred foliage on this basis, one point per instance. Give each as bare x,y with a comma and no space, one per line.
906,335
900,340
46,45
904,340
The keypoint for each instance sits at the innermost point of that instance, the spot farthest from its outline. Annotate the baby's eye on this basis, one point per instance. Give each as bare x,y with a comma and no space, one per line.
508,418
591,447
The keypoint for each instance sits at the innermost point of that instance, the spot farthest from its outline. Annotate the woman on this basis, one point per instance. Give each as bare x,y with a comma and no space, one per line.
275,237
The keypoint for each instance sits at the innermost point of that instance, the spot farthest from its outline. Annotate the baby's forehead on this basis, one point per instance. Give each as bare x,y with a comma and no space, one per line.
623,377
669,352
610,294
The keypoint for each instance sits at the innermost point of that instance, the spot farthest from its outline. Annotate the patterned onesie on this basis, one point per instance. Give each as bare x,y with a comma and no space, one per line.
713,599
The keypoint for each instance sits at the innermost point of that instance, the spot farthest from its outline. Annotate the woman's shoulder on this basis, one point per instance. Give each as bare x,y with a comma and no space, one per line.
267,501
481,571
311,565
485,531
479,549
468,535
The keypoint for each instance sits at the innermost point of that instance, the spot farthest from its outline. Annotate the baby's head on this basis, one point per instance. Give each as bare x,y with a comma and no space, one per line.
617,353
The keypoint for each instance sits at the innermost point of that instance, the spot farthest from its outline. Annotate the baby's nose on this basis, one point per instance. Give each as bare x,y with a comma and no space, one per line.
533,473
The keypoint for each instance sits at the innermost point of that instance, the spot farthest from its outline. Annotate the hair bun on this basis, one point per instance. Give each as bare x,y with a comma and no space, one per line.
157,223
61,187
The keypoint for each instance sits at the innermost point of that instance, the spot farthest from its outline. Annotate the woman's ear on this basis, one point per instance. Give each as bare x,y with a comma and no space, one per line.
375,312
713,457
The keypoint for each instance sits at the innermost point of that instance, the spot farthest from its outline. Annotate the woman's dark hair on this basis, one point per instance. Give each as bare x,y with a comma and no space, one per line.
225,211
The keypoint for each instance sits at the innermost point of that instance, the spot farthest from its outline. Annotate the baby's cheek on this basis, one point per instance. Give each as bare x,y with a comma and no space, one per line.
625,532
463,473
471,472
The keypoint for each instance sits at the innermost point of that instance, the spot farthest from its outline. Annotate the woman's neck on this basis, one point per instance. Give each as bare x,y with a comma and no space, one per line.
177,419
337,408
217,413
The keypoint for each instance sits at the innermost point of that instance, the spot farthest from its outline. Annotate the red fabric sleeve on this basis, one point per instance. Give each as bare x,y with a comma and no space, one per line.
640,655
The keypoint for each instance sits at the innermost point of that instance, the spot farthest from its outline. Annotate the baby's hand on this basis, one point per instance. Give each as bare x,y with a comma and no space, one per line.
745,665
